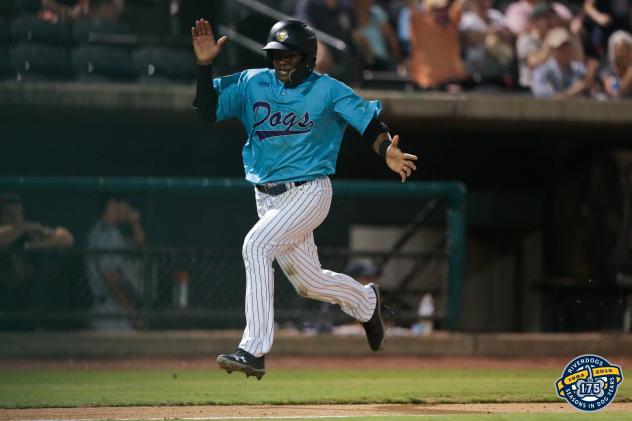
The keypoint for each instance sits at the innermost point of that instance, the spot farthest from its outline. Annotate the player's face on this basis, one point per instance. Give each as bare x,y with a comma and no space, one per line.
284,63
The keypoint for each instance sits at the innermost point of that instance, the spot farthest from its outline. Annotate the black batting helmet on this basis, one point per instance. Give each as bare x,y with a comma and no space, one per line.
294,35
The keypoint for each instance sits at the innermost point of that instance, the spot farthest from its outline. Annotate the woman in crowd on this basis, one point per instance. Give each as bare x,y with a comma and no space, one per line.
617,79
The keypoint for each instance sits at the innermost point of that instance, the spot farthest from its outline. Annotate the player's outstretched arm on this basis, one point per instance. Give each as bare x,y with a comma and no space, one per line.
206,50
204,45
398,161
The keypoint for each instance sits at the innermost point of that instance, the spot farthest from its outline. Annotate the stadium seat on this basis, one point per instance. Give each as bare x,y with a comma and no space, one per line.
32,29
4,31
6,7
84,29
16,7
46,60
384,79
5,65
93,62
33,78
163,65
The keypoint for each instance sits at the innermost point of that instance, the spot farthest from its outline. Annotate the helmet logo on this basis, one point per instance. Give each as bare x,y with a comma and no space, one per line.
281,35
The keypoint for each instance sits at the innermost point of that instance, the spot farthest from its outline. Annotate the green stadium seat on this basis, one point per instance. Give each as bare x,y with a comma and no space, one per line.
92,62
83,30
4,30
33,29
5,64
164,65
16,7
6,7
46,60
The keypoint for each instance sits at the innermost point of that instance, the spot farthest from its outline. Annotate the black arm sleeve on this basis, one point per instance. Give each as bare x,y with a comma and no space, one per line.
374,129
205,102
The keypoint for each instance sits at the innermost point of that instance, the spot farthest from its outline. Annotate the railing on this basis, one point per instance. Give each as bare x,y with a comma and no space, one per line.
253,46
276,15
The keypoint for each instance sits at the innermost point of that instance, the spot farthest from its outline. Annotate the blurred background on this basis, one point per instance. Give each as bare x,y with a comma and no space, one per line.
119,211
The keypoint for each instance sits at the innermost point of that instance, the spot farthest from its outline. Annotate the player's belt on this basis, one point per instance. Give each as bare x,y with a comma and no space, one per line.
277,189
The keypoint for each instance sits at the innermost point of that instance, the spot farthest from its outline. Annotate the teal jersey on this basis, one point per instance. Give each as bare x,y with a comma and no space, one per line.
294,134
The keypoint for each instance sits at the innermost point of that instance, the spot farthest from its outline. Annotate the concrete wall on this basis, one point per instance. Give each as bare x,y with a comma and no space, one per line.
85,345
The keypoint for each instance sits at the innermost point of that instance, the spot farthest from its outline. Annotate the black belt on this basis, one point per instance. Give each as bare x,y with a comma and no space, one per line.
277,189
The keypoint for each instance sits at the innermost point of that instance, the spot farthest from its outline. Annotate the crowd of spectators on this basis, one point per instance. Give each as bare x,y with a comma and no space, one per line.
550,48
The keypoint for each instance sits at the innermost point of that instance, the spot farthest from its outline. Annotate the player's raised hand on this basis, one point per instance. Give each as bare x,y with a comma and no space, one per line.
398,161
204,45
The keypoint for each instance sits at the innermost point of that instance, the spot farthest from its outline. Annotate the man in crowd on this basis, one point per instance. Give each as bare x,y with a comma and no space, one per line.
18,270
561,76
435,54
488,44
530,47
114,273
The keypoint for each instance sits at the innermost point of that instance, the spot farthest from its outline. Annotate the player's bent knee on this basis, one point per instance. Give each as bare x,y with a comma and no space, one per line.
294,276
254,249
303,289
302,292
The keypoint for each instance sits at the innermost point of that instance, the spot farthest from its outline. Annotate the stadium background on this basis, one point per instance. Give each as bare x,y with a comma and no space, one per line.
540,175
517,224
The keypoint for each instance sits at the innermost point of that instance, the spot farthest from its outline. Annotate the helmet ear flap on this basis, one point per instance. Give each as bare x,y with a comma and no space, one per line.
311,61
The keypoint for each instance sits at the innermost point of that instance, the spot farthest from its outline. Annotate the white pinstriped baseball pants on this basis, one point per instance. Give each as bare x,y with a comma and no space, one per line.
285,232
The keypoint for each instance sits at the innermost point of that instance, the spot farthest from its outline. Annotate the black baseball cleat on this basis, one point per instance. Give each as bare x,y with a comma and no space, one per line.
374,327
243,361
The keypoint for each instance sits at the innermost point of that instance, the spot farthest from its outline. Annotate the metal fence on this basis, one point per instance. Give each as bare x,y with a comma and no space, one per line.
203,287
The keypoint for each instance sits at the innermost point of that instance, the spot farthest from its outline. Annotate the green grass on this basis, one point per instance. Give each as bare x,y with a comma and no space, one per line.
68,388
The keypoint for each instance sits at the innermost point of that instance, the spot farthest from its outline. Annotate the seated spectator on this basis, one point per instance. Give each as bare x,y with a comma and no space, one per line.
617,79
518,14
17,269
561,76
114,274
435,59
335,18
376,38
63,10
488,44
602,19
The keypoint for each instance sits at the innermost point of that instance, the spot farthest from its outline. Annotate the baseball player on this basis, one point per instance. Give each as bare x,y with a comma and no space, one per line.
295,119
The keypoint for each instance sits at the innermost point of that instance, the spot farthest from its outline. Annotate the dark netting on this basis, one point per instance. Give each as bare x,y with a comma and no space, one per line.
190,273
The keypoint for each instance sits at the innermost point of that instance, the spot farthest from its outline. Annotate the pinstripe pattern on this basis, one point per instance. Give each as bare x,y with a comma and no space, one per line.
285,232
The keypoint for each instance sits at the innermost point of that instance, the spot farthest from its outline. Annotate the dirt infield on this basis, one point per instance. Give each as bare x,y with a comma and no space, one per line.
255,411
